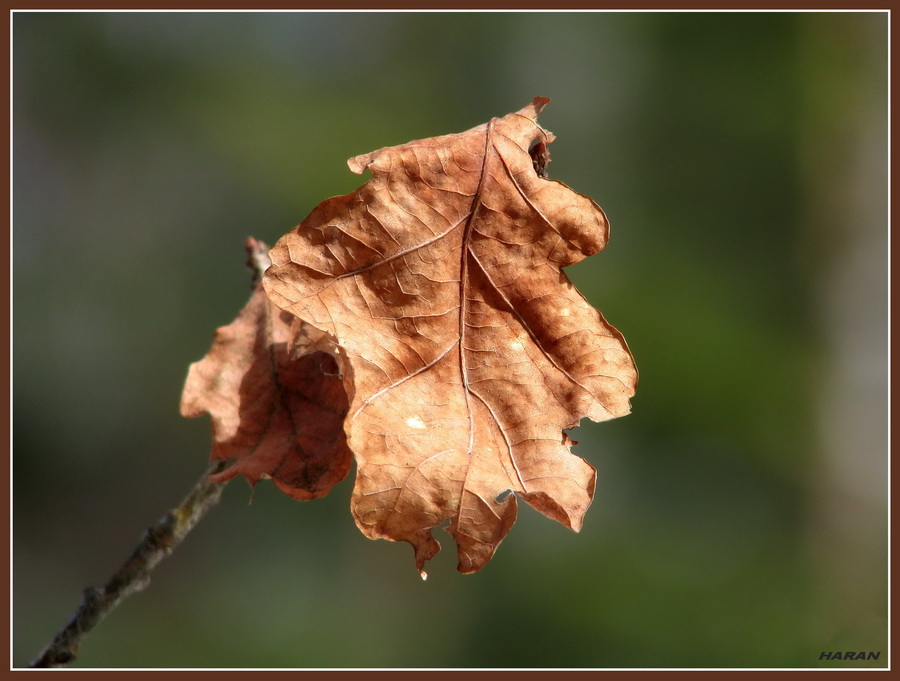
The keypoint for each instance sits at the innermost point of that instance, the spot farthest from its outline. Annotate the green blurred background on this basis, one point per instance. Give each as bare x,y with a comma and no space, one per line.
740,518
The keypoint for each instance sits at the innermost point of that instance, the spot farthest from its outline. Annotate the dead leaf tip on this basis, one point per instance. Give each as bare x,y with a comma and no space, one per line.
537,105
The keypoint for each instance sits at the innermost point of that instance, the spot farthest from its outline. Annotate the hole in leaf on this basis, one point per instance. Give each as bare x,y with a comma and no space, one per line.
500,497
540,157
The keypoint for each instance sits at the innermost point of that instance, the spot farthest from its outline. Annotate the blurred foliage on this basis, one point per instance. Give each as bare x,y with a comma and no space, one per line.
741,158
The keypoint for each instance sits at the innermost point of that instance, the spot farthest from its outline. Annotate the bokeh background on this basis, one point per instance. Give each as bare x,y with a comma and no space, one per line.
740,518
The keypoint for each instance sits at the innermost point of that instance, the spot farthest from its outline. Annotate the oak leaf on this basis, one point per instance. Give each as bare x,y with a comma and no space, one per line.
466,349
276,399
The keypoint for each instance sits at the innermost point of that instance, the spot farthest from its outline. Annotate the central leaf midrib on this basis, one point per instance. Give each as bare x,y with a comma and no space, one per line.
463,304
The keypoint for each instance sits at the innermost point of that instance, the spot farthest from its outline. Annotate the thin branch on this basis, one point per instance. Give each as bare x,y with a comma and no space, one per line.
158,542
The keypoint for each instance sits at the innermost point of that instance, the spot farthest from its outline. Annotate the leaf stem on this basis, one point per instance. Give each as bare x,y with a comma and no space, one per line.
158,542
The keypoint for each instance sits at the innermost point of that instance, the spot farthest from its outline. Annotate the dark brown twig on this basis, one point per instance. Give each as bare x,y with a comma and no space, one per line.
158,542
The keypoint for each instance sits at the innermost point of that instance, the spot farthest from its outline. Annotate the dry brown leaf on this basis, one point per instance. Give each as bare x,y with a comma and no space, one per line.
468,351
277,402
